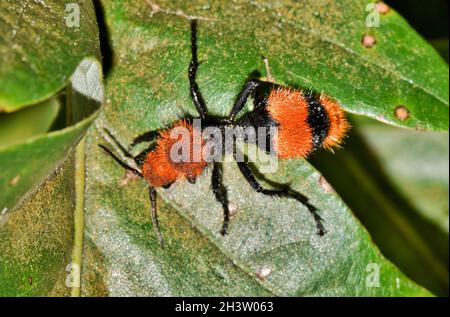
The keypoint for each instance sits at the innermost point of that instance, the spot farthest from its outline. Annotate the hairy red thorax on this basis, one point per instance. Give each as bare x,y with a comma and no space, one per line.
161,167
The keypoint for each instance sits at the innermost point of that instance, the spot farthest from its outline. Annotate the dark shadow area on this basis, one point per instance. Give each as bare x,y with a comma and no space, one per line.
74,107
61,119
429,18
105,43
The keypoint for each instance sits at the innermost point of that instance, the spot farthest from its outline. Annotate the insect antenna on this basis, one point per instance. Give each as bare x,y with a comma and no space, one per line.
117,143
152,190
125,166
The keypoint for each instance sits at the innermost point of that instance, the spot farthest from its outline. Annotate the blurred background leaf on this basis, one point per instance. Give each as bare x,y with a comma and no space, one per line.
21,125
441,45
401,195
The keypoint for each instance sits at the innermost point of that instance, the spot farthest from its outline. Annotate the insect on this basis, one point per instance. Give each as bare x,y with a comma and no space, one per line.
304,122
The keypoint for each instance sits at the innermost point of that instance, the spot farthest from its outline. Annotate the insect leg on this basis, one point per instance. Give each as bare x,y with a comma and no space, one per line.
248,174
242,99
196,96
152,195
220,193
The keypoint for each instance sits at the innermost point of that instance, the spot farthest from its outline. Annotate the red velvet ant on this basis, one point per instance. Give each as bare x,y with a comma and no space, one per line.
305,122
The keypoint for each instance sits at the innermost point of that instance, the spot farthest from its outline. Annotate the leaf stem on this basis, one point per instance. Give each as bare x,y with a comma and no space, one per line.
79,177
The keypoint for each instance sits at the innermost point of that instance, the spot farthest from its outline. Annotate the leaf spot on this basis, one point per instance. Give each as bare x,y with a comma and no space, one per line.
401,113
368,40
233,208
264,272
15,180
382,7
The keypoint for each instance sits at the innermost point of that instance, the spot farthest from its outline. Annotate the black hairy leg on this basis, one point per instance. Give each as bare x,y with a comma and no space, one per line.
220,193
285,192
154,216
248,89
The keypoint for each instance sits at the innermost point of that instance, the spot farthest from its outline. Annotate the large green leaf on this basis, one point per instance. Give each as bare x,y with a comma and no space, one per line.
42,43
272,247
123,257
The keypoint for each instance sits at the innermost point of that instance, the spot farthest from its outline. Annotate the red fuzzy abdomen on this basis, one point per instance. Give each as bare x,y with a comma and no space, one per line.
289,109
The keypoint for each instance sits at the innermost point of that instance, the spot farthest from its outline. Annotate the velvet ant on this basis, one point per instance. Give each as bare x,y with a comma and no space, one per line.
304,122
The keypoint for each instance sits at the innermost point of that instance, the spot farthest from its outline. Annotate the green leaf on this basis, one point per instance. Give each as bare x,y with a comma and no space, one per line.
21,125
272,247
310,44
420,171
37,256
29,208
124,258
41,45
26,164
